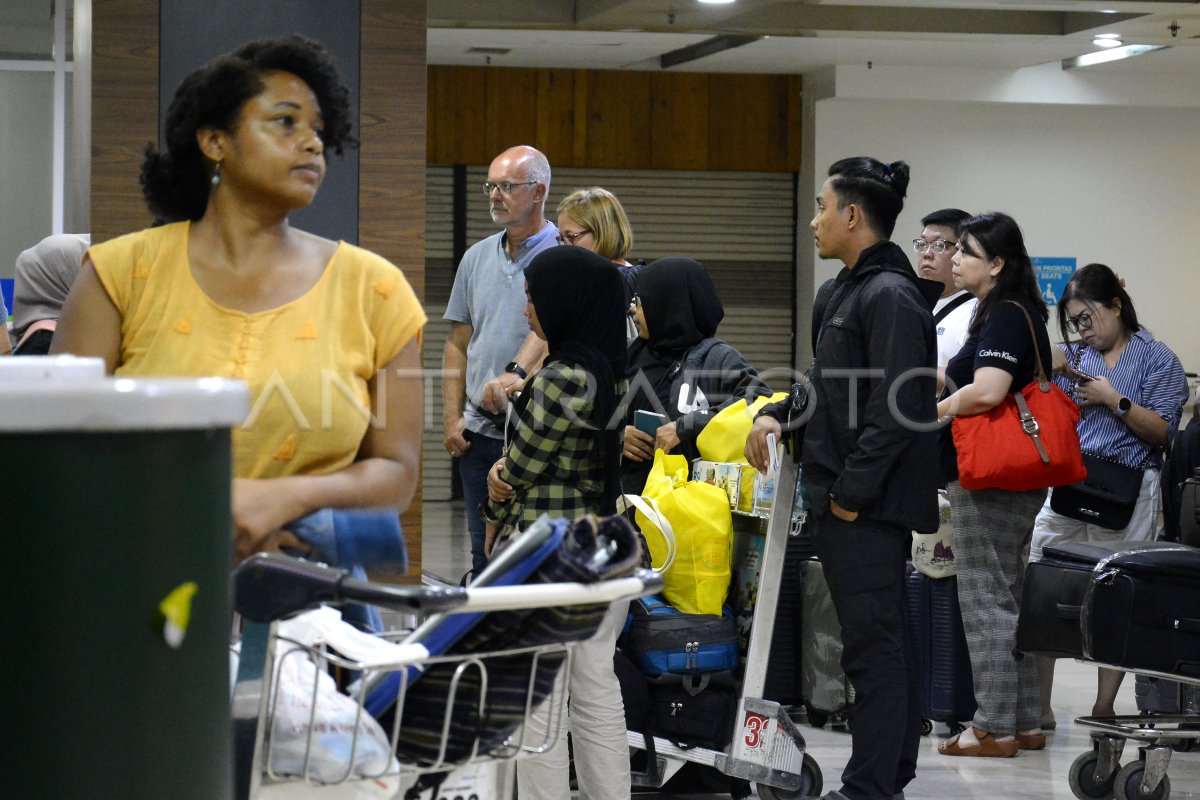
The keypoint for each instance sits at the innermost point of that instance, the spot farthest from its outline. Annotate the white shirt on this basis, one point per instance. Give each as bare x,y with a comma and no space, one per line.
952,331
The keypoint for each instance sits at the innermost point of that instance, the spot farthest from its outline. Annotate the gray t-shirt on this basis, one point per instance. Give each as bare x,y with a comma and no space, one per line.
489,295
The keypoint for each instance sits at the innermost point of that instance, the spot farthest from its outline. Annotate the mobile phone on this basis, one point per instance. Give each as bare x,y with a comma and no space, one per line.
648,422
1083,376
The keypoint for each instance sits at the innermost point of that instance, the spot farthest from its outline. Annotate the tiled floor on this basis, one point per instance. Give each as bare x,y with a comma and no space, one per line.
1040,775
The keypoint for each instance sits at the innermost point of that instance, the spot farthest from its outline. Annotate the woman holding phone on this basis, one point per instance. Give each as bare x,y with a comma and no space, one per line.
1131,389
677,367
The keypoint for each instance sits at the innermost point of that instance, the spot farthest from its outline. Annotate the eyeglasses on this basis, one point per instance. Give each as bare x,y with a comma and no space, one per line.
572,238
1082,322
938,247
505,187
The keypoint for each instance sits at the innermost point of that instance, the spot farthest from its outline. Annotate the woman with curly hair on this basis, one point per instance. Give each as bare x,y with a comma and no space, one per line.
226,287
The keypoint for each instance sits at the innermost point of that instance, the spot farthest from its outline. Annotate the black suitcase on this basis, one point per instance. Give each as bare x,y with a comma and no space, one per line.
1052,598
1143,611
939,647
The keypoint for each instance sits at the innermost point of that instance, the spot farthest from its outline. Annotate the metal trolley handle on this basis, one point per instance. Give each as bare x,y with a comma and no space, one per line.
270,587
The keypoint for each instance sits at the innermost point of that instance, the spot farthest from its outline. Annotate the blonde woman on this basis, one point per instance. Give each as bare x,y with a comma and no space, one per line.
593,218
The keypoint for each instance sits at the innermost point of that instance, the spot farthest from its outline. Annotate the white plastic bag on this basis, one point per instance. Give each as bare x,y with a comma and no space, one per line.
333,727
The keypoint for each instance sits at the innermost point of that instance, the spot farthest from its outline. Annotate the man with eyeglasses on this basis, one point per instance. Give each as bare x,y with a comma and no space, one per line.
953,310
491,350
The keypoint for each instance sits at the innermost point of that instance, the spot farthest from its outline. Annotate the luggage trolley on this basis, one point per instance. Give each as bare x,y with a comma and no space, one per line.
271,588
767,747
1098,774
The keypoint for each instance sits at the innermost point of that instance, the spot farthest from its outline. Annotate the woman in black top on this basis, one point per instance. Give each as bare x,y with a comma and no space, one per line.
992,527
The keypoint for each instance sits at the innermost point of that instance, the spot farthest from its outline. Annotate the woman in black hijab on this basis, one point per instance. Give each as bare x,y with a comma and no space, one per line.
563,459
563,453
676,366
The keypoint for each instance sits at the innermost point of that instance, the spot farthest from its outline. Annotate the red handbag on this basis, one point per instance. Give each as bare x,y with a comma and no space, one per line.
1029,441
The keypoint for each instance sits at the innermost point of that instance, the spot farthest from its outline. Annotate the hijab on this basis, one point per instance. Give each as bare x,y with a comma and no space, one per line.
43,277
681,307
579,298
680,304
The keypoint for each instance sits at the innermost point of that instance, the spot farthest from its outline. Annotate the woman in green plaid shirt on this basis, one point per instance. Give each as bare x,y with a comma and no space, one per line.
563,453
563,458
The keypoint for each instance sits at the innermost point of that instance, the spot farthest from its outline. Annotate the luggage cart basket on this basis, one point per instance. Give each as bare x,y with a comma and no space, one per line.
767,747
269,589
1098,773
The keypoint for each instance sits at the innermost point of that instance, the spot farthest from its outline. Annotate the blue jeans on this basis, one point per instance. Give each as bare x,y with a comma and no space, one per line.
473,468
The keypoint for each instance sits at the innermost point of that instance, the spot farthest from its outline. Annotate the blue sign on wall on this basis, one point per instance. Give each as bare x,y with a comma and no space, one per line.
1052,276
6,288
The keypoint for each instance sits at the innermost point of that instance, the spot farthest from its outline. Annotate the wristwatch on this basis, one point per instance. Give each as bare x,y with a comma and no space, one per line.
516,369
1123,405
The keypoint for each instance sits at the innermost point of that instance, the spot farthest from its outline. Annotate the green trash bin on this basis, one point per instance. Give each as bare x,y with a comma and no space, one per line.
115,512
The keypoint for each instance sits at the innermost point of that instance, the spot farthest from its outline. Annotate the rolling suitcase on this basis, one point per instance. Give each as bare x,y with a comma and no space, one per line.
1052,598
1143,611
939,646
783,683
826,690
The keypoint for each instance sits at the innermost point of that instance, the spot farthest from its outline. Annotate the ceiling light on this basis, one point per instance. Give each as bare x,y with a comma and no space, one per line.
1112,54
1107,40
715,2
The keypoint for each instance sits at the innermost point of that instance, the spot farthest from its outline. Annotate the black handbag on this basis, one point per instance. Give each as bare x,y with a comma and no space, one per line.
1106,497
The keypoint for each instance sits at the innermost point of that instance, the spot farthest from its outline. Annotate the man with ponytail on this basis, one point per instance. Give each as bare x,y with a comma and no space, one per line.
866,458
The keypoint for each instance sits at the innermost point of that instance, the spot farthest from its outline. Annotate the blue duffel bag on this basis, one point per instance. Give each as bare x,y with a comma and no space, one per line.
661,640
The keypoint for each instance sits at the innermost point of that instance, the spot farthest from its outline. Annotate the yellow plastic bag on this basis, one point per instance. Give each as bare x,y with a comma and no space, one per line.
724,437
698,580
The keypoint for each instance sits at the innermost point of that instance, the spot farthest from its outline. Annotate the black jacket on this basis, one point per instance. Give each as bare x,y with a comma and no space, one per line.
712,367
873,389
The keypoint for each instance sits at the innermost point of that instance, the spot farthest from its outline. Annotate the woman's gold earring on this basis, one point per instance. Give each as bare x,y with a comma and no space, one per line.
216,178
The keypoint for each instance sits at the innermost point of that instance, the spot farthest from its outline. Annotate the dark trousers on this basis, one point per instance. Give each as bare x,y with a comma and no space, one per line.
864,566
473,468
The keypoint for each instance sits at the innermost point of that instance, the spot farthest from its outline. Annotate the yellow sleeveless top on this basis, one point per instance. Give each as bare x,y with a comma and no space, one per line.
307,362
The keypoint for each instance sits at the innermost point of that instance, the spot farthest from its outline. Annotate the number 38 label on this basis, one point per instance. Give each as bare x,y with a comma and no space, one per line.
754,730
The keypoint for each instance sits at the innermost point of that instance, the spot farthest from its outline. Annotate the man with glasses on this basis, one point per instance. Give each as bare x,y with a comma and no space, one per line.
491,350
953,310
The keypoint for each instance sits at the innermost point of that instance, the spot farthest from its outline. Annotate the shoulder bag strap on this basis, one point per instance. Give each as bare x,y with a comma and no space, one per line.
966,297
1029,423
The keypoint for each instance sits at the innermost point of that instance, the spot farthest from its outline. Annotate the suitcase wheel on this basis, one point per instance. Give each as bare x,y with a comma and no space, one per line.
1085,783
810,783
926,726
816,718
1128,784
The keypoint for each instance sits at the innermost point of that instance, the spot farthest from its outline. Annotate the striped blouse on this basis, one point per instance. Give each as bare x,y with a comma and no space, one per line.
1149,374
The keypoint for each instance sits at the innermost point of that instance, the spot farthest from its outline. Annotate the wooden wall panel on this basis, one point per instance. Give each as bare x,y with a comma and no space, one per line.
124,112
616,119
510,117
391,217
679,120
741,121
556,115
457,98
